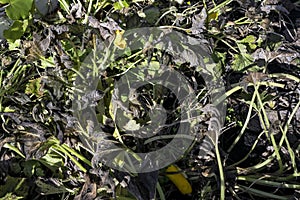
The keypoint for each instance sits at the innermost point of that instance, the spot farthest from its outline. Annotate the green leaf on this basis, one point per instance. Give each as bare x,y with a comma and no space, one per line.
152,14
242,48
120,4
17,9
29,167
10,196
250,40
16,30
9,189
241,61
48,188
13,148
52,161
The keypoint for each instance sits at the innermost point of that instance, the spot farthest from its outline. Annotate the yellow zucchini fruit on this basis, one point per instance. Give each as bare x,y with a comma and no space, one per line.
179,180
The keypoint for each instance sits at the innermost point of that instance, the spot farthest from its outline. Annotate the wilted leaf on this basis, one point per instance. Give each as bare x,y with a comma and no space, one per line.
198,22
119,40
34,87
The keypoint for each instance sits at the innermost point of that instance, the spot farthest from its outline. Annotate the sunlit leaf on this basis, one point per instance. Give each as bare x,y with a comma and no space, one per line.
120,4
250,40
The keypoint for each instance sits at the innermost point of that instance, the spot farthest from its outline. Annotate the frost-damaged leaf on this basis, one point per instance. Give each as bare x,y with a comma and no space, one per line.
17,9
20,98
65,60
269,8
88,191
90,98
106,29
198,22
77,10
31,135
34,87
43,43
59,29
107,183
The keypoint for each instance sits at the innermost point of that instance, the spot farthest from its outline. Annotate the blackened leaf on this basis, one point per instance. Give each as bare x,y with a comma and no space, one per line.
106,29
142,186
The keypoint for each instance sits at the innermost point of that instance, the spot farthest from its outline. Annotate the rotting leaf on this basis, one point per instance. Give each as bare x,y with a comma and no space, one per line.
34,87
198,22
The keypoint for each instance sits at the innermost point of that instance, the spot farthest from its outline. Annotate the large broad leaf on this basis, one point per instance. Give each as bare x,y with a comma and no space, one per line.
16,30
17,9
